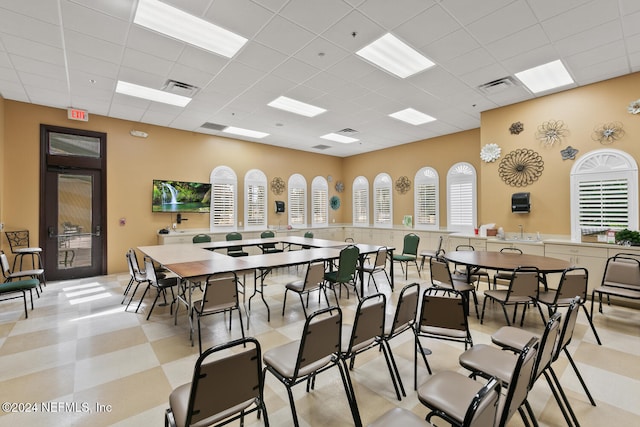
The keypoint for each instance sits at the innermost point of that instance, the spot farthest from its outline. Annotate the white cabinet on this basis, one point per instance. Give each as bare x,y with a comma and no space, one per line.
592,258
526,248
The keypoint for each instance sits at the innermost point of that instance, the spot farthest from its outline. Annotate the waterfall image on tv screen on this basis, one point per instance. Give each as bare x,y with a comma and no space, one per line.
180,196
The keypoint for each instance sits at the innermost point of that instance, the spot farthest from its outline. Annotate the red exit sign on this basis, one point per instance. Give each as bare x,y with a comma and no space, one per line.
75,114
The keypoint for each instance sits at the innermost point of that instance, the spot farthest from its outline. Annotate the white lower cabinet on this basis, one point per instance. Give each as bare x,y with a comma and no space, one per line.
593,259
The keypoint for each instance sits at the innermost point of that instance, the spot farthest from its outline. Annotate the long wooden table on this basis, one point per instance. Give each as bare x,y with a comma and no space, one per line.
194,262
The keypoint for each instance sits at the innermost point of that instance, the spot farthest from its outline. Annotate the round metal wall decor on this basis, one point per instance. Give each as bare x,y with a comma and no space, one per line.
551,132
403,184
521,167
608,133
339,186
277,186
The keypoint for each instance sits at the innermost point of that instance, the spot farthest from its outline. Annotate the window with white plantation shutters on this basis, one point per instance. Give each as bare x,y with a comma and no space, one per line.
461,197
223,199
604,193
297,201
361,202
382,201
319,202
255,206
426,197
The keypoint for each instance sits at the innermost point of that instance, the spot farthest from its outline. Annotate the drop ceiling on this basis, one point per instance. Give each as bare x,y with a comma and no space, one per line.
71,53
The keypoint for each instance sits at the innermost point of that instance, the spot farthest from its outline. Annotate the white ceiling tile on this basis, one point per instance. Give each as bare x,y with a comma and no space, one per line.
153,43
96,24
284,36
295,70
392,14
461,64
428,26
354,31
603,70
631,23
321,54
503,22
545,9
96,67
593,37
596,55
450,46
580,19
260,57
515,44
30,28
121,9
531,58
202,60
225,13
235,78
467,11
315,16
93,47
142,61
31,49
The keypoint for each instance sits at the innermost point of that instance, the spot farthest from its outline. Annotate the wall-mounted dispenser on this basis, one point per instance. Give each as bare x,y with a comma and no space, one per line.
279,206
520,203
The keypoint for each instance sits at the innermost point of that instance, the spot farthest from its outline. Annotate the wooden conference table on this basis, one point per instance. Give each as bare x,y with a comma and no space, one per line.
506,262
194,262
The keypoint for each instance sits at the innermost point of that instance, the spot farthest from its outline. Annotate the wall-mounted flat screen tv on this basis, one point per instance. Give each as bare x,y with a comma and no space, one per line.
181,196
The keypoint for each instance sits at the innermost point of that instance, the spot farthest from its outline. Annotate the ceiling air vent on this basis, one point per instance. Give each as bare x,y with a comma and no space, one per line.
498,85
213,126
180,88
347,131
321,147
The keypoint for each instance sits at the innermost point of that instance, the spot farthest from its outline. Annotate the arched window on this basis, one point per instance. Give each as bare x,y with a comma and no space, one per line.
224,195
319,202
361,202
382,201
297,201
426,196
461,197
604,192
255,205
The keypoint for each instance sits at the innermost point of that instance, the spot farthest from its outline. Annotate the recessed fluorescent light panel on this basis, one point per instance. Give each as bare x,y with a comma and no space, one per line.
150,94
296,107
412,116
393,55
180,25
545,77
339,138
244,132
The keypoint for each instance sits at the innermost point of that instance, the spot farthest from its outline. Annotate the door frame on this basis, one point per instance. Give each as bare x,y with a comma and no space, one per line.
74,162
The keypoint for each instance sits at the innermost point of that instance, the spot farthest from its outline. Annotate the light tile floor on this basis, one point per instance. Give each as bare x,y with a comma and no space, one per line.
93,364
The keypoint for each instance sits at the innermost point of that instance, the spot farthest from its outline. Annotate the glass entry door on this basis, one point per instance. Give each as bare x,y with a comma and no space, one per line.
74,240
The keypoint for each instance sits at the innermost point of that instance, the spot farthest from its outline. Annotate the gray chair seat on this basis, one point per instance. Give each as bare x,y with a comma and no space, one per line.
450,392
490,360
399,417
283,360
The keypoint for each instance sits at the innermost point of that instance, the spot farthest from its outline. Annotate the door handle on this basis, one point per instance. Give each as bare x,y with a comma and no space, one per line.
98,229
51,232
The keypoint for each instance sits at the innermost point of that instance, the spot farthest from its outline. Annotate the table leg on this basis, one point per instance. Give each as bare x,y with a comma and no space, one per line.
262,275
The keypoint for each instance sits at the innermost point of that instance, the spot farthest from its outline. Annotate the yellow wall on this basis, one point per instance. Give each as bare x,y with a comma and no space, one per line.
172,154
581,109
405,160
133,163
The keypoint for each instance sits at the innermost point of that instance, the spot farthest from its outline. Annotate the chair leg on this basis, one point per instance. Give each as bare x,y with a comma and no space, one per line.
484,305
575,369
351,397
391,371
593,328
561,400
395,367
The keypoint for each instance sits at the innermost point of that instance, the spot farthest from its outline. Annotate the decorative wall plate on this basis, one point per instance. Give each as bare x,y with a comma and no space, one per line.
334,202
277,186
634,107
521,167
403,184
490,153
339,186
